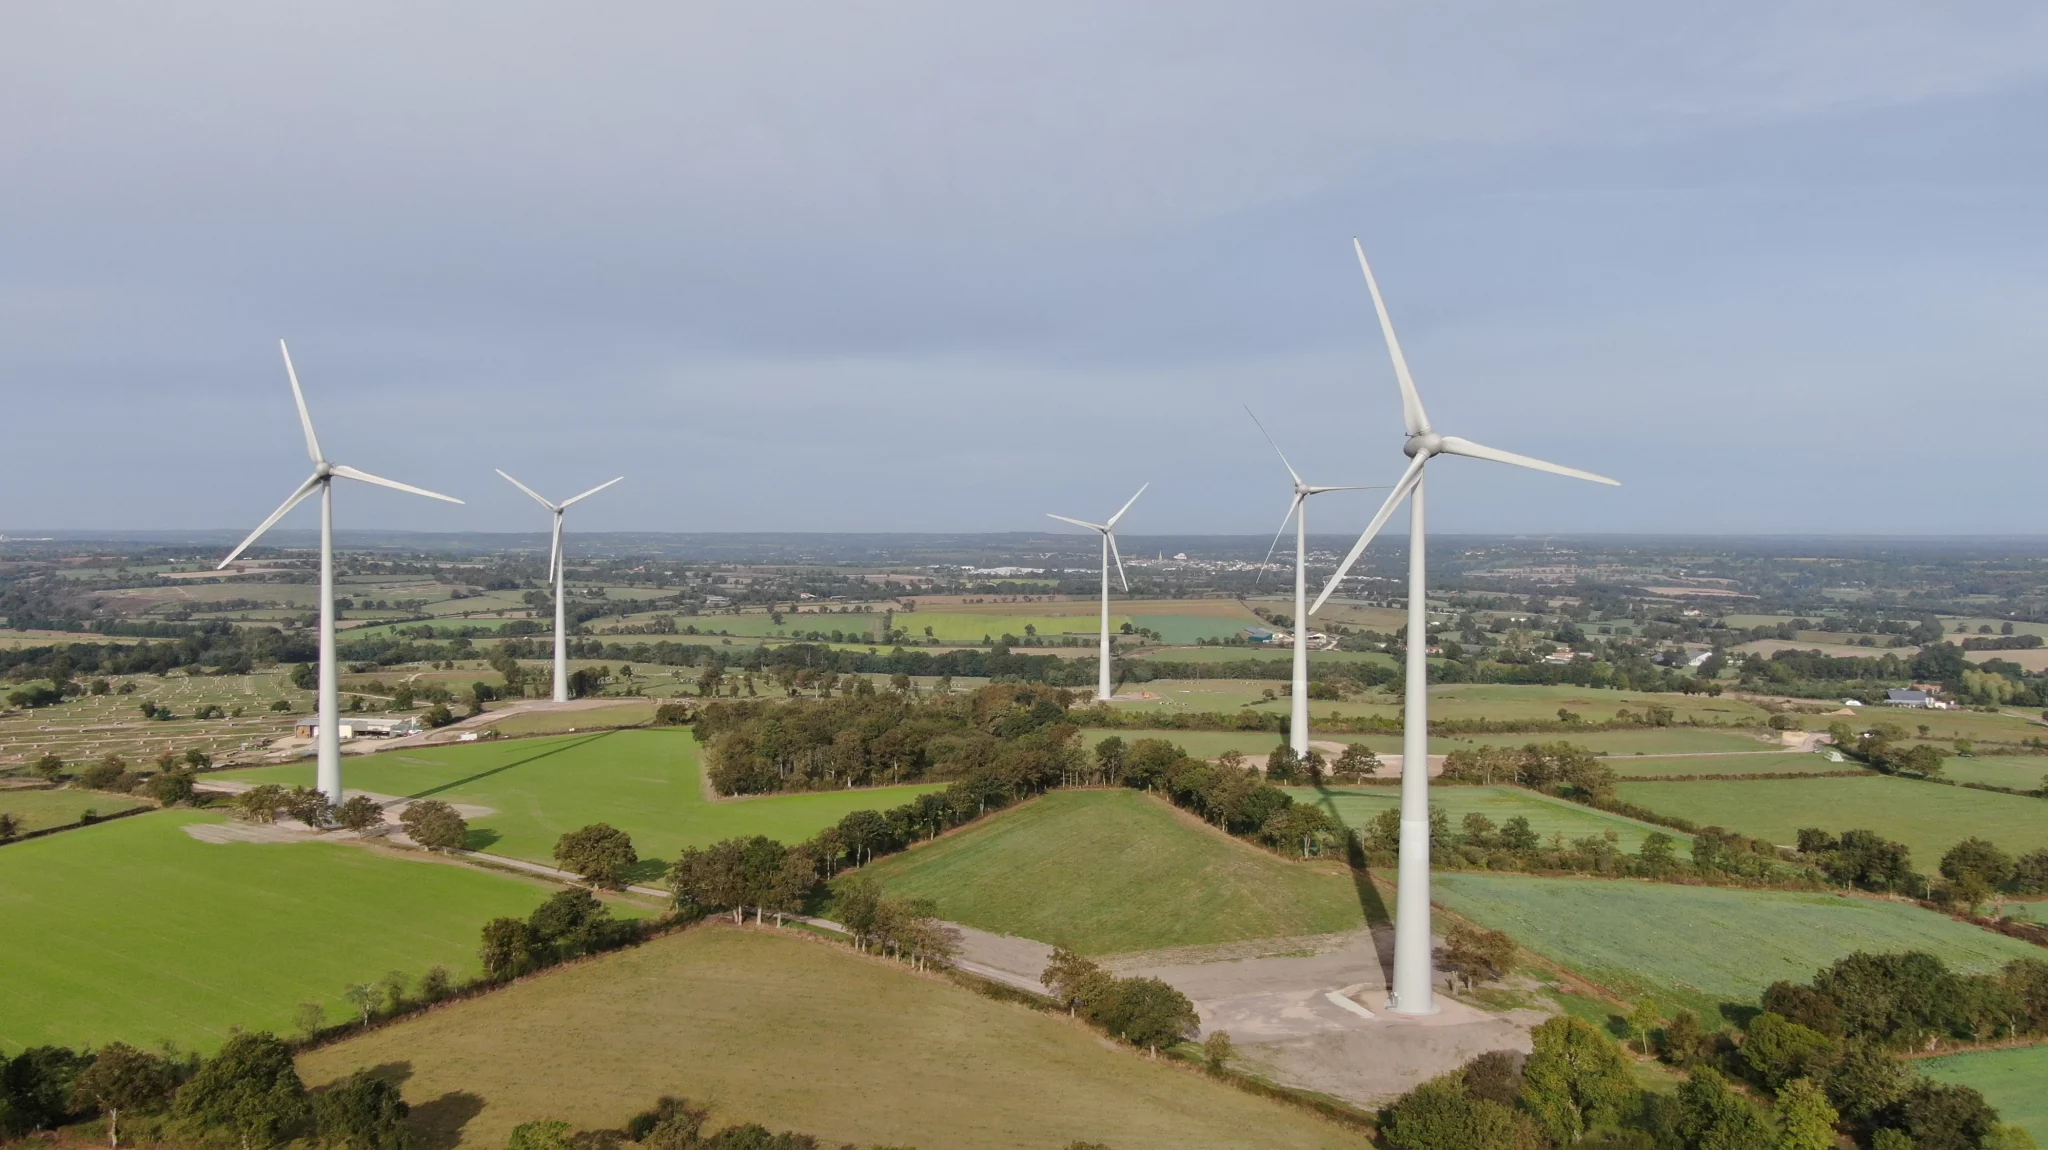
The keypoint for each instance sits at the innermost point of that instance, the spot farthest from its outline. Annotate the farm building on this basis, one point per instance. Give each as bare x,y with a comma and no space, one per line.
1912,697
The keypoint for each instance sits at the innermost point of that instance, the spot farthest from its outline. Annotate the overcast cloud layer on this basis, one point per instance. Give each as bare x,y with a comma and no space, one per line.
948,267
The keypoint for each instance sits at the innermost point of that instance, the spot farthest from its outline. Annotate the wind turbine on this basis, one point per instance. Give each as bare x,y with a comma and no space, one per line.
1412,991
557,576
1108,530
328,774
1297,726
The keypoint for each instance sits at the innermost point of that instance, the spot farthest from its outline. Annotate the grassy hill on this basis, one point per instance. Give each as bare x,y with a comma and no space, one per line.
646,783
1110,871
797,1033
132,929
1702,946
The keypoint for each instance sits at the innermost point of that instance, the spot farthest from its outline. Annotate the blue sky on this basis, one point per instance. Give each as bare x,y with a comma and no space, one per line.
948,267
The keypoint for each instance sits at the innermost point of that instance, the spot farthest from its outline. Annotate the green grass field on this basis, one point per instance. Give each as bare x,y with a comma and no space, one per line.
646,783
2015,1081
2020,772
1111,871
797,1033
134,930
1927,817
1547,816
40,809
1194,628
1701,946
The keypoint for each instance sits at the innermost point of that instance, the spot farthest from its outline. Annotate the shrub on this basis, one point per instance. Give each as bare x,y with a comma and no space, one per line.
600,852
434,825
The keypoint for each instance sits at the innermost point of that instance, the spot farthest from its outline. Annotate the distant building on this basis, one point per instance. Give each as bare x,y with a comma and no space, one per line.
717,601
1258,634
310,729
1699,658
1908,698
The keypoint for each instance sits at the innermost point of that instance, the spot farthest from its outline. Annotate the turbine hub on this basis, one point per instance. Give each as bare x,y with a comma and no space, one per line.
1428,442
324,470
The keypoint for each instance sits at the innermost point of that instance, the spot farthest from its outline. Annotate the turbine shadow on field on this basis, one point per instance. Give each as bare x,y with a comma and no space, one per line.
1369,901
449,786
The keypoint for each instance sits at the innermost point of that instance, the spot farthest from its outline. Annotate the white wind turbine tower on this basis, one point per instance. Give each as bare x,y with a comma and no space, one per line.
1108,530
328,775
1413,992
557,577
1297,726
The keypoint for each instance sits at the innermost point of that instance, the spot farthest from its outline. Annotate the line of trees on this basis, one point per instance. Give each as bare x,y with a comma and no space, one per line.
1019,732
672,1124
248,1094
1825,1055
1146,1012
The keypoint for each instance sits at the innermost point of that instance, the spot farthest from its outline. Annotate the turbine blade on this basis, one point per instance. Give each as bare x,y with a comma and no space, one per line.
1274,545
528,490
366,477
1408,480
1452,445
1126,507
1374,487
1119,560
305,417
1412,414
1077,522
297,497
555,551
1276,449
591,492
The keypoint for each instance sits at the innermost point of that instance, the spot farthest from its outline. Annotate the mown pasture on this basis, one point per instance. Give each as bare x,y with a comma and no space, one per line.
134,930
1111,871
1928,817
1700,946
647,783
1355,807
2014,1081
40,810
796,1033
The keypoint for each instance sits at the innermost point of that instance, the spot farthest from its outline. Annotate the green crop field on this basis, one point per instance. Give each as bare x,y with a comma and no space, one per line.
134,930
1942,726
2020,772
1700,946
966,627
796,1033
646,783
1794,762
1928,817
1504,701
40,809
1357,806
2015,1081
1110,871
